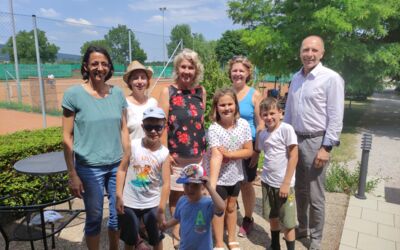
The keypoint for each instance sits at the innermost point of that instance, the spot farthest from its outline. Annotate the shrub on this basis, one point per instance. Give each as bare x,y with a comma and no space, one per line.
20,145
340,179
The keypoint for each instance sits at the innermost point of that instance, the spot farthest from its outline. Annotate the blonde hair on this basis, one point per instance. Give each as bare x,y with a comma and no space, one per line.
214,116
269,103
245,62
192,57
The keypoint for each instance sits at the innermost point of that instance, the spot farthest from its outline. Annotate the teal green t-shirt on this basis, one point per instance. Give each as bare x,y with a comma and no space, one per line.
97,125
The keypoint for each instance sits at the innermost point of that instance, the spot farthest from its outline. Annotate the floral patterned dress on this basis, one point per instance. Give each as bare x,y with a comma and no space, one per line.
186,134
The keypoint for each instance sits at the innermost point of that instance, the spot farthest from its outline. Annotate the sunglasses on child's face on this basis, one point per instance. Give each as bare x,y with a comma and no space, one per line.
150,128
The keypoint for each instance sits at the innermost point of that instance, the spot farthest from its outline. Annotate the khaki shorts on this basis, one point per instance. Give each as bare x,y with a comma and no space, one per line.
276,207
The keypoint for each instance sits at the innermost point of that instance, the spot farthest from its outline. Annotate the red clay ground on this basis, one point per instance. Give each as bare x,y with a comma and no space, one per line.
12,121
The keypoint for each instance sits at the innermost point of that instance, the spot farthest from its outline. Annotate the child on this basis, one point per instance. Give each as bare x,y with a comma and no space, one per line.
279,143
143,187
194,211
230,141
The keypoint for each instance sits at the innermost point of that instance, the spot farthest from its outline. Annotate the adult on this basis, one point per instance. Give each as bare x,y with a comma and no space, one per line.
314,108
96,142
240,73
138,77
184,104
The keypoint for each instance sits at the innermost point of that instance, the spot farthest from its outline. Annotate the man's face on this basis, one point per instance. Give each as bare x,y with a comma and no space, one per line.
311,53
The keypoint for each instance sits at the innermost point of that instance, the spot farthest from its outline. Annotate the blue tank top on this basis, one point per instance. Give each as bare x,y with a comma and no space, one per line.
246,108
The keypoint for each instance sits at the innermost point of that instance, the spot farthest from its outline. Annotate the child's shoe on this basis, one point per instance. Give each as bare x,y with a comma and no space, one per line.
246,227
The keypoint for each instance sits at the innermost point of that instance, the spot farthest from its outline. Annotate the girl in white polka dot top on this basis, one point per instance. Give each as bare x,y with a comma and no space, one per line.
229,139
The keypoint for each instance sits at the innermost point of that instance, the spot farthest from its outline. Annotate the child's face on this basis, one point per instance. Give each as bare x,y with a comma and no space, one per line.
153,128
193,191
271,117
226,108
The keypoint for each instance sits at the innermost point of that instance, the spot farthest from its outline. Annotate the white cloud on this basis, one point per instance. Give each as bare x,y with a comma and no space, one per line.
152,5
48,12
90,32
79,21
155,19
112,21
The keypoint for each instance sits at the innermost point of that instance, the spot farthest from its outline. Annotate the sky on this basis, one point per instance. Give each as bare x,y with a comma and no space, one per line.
69,23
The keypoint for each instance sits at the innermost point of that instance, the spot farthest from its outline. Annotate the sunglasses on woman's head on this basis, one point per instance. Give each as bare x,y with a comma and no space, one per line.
149,127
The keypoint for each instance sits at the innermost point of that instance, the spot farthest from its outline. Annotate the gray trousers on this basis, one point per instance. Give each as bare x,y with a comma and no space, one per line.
310,189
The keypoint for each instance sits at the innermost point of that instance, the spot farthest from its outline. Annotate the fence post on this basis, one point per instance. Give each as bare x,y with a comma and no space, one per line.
362,181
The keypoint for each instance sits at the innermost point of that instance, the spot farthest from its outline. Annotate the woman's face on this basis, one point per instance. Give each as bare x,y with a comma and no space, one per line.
98,67
138,81
226,108
239,74
186,72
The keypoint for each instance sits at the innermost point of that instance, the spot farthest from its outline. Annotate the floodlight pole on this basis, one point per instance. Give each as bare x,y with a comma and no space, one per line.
16,65
163,9
130,47
41,87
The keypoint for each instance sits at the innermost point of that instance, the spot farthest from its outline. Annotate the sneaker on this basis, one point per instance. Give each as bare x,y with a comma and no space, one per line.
246,227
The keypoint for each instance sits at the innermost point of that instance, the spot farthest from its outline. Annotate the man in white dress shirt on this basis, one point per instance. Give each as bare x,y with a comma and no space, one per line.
314,108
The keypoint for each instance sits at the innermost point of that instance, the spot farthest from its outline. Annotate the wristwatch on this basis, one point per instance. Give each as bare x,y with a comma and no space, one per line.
327,148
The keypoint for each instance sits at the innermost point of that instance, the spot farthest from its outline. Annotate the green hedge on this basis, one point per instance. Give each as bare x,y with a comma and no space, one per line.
20,145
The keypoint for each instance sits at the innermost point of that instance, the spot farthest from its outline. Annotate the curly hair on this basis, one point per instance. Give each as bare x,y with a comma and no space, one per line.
192,57
245,62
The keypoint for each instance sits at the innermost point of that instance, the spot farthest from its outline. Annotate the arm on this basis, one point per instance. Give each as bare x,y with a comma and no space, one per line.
204,98
215,166
172,222
164,104
123,167
259,126
291,167
242,153
75,183
219,203
166,176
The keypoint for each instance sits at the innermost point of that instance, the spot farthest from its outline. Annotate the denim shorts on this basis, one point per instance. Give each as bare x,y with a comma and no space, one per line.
95,179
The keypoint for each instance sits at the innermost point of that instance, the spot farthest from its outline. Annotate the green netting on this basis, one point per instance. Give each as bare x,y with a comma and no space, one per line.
64,70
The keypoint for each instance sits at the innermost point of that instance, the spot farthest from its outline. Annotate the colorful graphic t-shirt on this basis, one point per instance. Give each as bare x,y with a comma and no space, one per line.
195,221
144,176
186,134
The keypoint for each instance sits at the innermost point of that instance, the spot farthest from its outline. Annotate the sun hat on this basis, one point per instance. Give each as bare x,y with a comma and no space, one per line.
153,112
191,173
135,65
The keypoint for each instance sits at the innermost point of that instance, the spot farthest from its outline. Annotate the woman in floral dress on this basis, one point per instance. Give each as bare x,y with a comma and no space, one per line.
184,104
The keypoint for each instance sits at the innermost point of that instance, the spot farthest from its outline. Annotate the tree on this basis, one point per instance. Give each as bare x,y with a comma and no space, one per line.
101,43
361,36
26,47
230,45
118,42
180,31
205,49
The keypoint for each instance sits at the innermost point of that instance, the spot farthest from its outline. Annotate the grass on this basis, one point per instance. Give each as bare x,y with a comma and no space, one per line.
27,108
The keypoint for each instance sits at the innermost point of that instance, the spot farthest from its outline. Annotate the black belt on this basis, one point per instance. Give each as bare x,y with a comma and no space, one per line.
309,135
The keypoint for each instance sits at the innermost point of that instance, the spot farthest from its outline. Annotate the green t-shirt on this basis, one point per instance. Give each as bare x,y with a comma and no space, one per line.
97,125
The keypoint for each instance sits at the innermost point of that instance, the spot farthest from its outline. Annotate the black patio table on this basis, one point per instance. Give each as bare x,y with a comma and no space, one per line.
49,167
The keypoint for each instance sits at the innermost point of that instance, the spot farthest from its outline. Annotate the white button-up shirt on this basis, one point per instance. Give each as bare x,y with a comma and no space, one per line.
316,103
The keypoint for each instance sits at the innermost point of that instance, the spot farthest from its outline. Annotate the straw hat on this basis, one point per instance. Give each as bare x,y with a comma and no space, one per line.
135,65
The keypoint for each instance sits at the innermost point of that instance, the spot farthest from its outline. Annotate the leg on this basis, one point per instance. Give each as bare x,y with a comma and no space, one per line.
129,223
218,228
275,232
113,229
93,179
151,221
302,189
249,200
231,218
173,199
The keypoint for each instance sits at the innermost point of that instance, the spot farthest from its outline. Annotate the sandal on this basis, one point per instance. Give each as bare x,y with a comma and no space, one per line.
235,247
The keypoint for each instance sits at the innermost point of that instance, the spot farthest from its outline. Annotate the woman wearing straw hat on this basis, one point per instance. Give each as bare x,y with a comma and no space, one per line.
137,77
184,104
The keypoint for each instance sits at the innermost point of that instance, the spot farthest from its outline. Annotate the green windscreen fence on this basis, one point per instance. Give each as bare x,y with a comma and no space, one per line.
7,71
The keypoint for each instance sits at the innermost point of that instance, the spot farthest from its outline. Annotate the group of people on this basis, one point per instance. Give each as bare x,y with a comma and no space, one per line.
147,153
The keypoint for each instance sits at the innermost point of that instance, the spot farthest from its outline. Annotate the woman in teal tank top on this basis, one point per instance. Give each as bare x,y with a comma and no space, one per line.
240,72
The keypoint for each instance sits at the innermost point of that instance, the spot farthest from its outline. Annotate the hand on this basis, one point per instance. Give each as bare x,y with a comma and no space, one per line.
119,205
75,186
161,219
225,154
322,158
284,190
172,163
254,159
206,182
